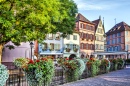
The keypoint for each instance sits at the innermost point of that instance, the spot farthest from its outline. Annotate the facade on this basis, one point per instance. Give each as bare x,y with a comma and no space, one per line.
71,45
86,30
118,38
52,46
23,50
99,35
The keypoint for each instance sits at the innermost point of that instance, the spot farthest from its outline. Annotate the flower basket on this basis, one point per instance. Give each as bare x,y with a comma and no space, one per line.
105,65
68,50
73,68
38,72
93,66
3,75
75,49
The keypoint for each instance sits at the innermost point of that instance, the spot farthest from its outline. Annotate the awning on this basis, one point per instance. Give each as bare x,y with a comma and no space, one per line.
110,53
51,53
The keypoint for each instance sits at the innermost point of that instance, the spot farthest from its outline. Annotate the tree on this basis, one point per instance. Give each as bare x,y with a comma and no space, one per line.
27,20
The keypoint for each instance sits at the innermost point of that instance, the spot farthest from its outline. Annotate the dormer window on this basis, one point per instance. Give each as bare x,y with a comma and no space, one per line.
57,36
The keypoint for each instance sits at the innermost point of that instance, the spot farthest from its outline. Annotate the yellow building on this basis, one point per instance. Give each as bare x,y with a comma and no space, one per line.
99,35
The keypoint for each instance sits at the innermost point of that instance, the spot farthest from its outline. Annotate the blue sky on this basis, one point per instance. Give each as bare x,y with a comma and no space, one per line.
109,9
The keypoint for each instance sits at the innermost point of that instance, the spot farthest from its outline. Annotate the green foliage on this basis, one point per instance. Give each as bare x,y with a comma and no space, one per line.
28,20
81,67
105,65
93,66
120,63
73,68
37,71
3,74
114,63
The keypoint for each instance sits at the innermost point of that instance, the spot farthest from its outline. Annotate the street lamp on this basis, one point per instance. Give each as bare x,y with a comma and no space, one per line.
31,46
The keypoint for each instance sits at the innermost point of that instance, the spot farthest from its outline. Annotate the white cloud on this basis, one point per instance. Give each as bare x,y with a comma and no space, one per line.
97,4
84,6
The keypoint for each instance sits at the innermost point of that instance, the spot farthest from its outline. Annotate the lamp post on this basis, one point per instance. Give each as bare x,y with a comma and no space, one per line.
31,46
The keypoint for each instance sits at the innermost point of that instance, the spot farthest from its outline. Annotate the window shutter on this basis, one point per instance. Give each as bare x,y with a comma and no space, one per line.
84,26
80,25
84,35
86,46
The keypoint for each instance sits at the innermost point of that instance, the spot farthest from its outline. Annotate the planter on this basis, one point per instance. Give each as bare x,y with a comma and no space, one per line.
68,50
75,50
33,80
3,75
38,72
71,75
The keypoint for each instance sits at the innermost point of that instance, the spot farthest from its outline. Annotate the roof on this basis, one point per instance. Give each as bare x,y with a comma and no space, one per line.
122,26
80,17
96,22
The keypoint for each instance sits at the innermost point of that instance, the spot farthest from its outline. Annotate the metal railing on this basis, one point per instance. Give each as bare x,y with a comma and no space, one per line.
17,76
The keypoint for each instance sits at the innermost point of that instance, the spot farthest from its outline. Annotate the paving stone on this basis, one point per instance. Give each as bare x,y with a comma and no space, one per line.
116,78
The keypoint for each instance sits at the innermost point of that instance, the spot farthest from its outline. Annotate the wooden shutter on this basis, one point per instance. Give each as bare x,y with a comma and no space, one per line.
84,26
87,46
84,35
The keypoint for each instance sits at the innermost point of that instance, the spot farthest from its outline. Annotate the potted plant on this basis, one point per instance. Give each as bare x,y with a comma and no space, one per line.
68,49
75,49
3,74
93,66
73,68
105,65
38,72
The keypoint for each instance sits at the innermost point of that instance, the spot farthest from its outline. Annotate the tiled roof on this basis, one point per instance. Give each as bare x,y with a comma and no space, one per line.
80,17
122,26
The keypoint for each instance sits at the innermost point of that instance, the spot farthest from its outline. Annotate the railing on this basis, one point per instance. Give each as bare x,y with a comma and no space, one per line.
17,76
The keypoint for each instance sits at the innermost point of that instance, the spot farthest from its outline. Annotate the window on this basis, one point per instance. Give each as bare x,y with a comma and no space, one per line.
108,37
44,46
87,27
57,47
113,36
86,46
97,38
74,46
57,36
118,34
96,46
119,40
87,36
50,36
91,47
82,46
81,25
51,46
74,37
101,47
81,35
68,37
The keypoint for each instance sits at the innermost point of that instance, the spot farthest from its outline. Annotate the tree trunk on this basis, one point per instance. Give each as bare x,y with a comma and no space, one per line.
1,48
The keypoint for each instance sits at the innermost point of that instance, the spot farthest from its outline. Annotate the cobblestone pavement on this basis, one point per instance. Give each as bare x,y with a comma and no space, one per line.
116,78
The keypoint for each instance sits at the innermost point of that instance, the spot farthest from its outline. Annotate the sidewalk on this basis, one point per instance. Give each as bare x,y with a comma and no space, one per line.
116,78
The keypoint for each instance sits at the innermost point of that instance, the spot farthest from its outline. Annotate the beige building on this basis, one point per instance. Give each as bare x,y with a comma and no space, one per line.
99,35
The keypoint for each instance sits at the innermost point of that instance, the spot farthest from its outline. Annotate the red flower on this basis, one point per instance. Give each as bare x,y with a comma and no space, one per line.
38,60
44,59
67,58
31,61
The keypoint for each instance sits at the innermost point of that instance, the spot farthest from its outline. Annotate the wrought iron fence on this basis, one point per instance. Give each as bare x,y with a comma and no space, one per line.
17,76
